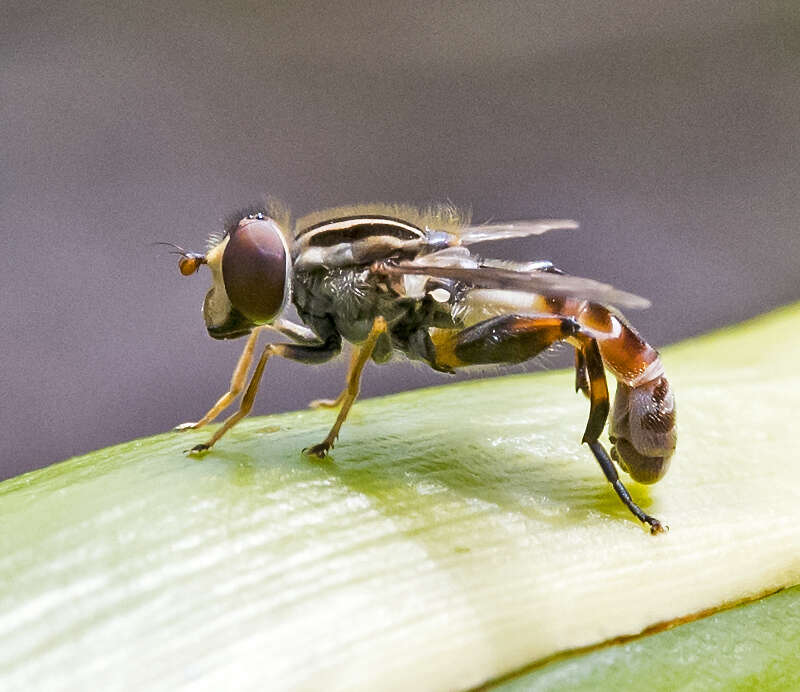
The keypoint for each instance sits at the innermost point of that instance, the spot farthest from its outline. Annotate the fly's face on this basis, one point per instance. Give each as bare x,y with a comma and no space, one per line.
250,277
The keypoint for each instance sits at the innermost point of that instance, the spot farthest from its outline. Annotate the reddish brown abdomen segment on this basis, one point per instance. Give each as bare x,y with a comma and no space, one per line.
625,353
254,269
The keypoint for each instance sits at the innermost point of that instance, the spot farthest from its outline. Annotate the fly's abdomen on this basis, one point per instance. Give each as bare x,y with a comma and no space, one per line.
643,431
631,359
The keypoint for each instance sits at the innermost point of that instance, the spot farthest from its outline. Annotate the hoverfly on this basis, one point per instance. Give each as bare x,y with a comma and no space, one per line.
396,279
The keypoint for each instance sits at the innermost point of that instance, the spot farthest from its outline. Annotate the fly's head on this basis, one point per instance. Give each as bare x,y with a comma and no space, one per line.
250,276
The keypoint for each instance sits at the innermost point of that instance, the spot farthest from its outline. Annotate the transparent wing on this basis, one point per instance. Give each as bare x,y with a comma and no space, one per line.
540,282
511,229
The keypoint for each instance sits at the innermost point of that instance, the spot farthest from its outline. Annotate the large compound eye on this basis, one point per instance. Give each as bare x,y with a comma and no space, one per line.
254,269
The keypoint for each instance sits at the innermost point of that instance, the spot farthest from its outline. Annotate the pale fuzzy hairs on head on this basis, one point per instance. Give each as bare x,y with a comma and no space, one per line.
271,207
440,217
214,239
280,212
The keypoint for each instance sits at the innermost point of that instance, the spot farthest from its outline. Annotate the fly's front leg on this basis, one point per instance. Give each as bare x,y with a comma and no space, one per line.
350,392
237,384
333,403
311,354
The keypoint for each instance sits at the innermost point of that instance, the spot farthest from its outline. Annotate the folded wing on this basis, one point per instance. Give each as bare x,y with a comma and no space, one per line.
475,274
506,230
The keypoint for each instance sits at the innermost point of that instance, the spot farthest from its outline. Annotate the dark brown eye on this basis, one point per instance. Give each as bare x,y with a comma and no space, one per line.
254,269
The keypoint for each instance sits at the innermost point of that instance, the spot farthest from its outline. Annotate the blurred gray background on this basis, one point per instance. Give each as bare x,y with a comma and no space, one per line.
669,130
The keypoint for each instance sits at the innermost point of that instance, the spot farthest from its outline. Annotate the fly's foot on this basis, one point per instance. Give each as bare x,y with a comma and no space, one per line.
186,426
320,451
197,450
656,526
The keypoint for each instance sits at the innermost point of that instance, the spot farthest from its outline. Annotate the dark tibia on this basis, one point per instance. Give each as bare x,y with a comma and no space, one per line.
598,391
622,492
581,376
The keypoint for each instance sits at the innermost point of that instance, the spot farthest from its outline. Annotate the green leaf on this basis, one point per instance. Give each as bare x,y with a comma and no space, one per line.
752,647
459,534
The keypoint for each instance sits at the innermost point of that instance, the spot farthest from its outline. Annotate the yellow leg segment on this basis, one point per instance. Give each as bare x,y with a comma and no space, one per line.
237,384
350,393
333,403
247,400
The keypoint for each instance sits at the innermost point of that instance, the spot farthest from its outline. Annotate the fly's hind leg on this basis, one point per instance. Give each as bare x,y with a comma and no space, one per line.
509,339
598,413
237,384
581,375
348,396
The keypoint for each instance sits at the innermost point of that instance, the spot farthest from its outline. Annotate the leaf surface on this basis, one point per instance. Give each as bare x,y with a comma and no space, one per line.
458,534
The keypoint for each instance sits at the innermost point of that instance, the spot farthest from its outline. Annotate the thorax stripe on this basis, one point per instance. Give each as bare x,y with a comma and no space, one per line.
352,228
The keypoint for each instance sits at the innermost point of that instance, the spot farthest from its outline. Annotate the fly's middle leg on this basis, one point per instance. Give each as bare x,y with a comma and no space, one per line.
581,375
350,392
333,403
